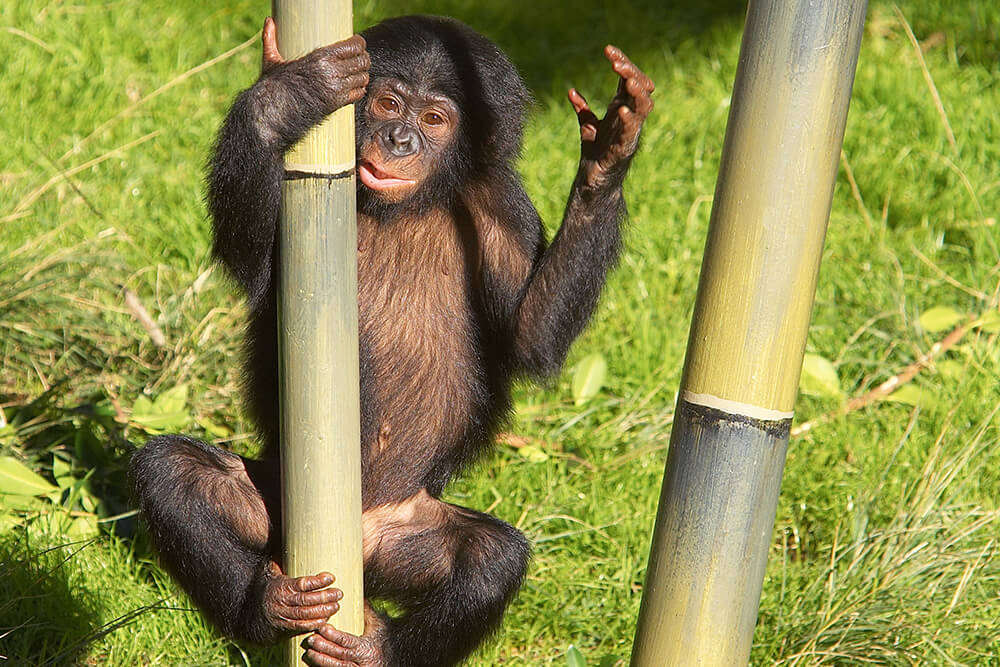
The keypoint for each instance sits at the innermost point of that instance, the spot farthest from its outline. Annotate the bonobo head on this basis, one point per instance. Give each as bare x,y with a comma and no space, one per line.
444,107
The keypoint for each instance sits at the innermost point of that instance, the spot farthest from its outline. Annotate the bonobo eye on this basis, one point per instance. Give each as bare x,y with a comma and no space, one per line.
433,119
388,104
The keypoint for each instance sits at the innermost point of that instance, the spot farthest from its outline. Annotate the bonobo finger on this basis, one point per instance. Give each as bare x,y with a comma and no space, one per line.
313,615
354,95
334,649
336,636
313,582
640,84
631,127
269,37
321,653
640,92
578,101
358,64
356,82
624,67
347,48
634,82
320,597
359,651
587,119
314,659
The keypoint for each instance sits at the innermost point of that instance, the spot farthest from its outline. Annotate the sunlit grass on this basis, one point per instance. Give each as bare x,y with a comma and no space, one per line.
885,545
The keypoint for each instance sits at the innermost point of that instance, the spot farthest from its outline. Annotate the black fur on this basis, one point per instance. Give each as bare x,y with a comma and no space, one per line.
515,307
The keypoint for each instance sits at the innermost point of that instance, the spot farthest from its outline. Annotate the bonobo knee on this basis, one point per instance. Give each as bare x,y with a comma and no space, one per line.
175,478
165,460
153,462
496,563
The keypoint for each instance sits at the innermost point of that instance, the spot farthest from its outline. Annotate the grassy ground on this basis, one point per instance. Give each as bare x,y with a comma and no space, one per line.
885,546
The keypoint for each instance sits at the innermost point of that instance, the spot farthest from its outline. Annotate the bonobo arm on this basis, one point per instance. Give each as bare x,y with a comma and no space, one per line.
562,291
245,171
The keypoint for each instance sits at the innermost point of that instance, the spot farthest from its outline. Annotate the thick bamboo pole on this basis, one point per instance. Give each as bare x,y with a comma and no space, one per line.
727,448
318,334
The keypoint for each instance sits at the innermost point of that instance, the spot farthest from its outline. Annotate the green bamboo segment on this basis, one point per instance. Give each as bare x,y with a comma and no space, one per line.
772,201
318,336
727,448
329,147
320,424
713,530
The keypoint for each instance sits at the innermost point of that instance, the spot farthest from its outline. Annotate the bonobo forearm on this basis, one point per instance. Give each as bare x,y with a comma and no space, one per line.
245,172
244,188
244,194
563,290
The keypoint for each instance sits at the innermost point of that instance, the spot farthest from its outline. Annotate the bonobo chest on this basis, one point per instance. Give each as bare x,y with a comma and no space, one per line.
416,289
414,283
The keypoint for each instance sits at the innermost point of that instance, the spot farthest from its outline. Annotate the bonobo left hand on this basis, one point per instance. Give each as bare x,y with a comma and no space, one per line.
607,145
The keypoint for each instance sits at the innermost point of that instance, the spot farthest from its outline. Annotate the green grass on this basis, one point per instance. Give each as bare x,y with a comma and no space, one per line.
885,548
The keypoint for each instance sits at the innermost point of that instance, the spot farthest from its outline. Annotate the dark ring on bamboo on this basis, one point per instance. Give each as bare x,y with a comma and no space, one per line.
293,175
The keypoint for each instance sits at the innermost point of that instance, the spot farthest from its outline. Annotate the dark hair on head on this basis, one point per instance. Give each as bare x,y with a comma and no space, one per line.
451,58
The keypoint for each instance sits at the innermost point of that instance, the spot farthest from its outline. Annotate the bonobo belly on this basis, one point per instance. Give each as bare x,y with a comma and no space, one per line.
427,381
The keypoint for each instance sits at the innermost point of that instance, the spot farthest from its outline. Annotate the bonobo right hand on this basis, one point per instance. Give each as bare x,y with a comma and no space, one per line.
299,604
331,76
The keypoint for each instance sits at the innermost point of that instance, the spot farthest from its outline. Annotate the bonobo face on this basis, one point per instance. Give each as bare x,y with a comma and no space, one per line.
407,134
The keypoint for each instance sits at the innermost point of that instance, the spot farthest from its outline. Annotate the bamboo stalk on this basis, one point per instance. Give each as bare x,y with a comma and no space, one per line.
748,335
318,335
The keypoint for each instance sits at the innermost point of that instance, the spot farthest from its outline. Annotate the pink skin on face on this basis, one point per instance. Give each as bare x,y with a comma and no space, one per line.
379,180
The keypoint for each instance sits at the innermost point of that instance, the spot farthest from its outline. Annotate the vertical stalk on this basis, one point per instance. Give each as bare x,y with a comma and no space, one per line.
727,448
318,334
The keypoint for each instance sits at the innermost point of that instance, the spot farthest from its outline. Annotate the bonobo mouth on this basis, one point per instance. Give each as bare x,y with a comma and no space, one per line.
376,179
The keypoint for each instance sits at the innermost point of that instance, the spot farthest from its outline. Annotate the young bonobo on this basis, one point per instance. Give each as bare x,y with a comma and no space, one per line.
458,293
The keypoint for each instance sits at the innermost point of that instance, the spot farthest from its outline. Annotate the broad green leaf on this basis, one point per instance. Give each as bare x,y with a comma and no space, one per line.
165,413
83,527
172,400
87,500
104,409
533,453
213,429
951,368
588,378
17,478
79,496
142,406
940,318
611,661
911,394
574,658
166,422
9,522
88,448
819,377
63,472
989,322
22,503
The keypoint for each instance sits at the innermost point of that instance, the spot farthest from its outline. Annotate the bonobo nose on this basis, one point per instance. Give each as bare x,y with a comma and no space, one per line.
400,140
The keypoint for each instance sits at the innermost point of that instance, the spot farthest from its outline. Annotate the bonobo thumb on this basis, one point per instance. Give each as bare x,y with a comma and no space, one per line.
269,36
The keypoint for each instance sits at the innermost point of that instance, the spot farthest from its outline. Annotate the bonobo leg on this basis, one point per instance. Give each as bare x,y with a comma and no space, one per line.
207,511
451,570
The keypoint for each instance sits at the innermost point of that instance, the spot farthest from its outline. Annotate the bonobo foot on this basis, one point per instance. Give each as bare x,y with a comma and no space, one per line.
330,647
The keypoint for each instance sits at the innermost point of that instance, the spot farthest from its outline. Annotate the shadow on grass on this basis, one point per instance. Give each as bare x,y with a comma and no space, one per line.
556,44
44,619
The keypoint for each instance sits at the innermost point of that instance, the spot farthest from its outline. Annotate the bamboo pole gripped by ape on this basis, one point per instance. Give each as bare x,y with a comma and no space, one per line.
318,334
755,296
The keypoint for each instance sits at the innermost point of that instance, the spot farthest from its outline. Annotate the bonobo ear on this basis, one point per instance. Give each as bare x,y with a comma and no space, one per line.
269,38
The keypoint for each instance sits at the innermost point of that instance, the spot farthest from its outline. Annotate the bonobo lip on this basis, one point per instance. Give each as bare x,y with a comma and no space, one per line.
376,179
